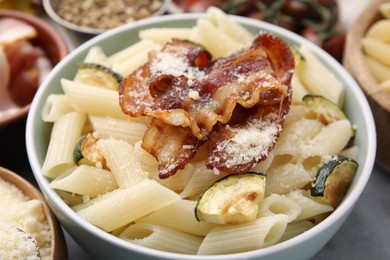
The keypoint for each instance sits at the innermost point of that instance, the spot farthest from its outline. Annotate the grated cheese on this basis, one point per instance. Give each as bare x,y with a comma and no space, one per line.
27,214
249,143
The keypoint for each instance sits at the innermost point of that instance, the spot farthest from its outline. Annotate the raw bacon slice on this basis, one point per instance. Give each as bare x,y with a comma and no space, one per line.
13,30
250,90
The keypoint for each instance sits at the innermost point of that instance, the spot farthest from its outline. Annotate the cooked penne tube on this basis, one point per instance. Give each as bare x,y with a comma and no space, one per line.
64,135
378,70
85,180
296,228
161,238
317,78
112,210
127,130
162,35
56,106
178,216
120,158
279,204
377,49
93,100
131,51
261,233
310,208
220,45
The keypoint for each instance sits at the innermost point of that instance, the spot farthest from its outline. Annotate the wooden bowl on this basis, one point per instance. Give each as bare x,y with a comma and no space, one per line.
49,39
354,62
58,245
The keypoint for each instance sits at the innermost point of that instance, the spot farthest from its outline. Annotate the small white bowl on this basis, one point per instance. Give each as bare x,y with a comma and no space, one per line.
105,246
51,7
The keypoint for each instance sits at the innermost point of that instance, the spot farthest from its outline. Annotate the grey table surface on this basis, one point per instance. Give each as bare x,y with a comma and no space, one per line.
364,235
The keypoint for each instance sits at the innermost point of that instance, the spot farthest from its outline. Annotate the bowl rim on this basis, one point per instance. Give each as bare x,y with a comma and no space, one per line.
55,35
47,5
340,213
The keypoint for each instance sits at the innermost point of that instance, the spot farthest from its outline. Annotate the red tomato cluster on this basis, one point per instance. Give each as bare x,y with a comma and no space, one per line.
316,20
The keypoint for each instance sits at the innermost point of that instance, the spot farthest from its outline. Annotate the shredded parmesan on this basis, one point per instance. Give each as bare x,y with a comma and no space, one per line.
249,143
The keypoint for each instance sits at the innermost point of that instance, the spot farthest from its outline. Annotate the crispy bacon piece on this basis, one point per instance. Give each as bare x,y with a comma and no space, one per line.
192,98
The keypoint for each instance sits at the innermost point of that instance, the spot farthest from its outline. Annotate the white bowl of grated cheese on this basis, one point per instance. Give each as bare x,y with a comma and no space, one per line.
101,217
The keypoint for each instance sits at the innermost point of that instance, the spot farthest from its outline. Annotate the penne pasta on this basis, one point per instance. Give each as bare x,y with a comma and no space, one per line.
93,100
200,180
261,233
377,49
378,70
126,130
85,180
380,30
318,79
220,45
176,182
298,89
161,238
120,158
286,177
279,204
111,210
162,35
340,134
63,138
310,208
178,216
228,26
125,54
296,228
56,106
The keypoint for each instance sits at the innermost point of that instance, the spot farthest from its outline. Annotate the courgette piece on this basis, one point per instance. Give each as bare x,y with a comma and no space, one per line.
324,110
333,180
232,199
98,75
86,151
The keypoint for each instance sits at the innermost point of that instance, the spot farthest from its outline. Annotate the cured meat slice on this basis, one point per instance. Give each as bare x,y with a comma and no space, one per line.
13,30
245,95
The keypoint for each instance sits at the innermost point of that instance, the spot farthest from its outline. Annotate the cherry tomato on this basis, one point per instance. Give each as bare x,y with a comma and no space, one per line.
312,35
335,46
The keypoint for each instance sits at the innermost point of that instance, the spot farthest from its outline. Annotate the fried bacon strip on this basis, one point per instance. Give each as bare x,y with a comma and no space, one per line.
193,98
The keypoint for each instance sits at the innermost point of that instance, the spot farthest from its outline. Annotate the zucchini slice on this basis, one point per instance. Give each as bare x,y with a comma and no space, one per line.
323,109
333,180
98,75
86,152
232,199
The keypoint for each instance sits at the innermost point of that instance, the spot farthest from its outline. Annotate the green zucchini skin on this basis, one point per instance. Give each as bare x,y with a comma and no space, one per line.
77,151
232,199
333,180
98,75
325,110
86,152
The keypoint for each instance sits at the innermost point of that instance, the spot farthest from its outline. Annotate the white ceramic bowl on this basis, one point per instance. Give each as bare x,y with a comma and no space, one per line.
51,7
104,245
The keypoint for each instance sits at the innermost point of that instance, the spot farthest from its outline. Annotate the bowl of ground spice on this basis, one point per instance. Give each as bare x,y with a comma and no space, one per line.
97,16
